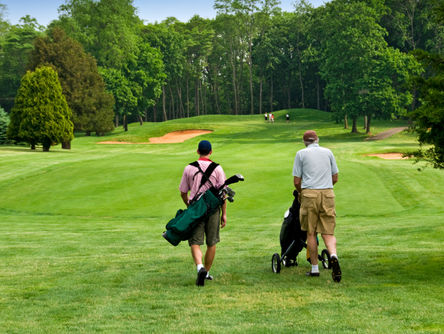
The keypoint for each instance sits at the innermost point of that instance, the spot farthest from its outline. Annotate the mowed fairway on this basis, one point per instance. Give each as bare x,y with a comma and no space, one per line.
81,248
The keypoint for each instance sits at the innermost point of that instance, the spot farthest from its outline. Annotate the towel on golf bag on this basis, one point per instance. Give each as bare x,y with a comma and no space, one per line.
181,226
291,230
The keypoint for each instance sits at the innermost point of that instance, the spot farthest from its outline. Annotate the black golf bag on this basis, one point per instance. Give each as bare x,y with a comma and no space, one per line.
293,240
291,231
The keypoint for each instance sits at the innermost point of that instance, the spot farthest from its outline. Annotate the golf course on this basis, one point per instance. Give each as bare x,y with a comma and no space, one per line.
81,247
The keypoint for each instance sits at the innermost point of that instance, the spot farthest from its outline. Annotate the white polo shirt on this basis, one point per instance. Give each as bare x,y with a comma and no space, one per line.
315,165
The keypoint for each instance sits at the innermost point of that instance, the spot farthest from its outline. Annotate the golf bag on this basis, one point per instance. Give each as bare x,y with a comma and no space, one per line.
293,240
181,226
291,231
201,206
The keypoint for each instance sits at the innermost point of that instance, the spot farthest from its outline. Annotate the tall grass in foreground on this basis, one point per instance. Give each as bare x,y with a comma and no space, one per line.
81,247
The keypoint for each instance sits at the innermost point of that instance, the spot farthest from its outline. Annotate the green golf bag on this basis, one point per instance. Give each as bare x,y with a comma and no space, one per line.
201,207
180,227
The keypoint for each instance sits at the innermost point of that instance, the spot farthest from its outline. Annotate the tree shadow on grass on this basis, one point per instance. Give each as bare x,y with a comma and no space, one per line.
27,149
274,137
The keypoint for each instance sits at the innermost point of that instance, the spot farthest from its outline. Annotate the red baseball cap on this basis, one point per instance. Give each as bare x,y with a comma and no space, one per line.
310,135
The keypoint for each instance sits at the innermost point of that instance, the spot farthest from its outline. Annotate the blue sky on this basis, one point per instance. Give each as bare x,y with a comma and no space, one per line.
148,10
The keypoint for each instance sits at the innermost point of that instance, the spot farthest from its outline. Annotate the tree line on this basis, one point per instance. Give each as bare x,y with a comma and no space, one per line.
351,57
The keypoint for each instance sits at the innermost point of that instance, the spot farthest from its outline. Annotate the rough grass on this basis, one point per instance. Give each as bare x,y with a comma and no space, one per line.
81,248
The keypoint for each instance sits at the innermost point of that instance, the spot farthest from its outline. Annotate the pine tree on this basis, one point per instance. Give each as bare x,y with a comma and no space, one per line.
4,121
41,114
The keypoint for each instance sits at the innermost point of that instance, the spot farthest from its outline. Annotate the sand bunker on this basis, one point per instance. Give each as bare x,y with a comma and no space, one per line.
178,136
389,156
169,138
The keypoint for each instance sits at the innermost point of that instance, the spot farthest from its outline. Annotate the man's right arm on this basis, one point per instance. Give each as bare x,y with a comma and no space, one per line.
334,168
297,170
184,187
184,198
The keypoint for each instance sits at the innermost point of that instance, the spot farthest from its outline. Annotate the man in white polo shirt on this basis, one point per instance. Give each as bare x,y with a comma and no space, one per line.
315,172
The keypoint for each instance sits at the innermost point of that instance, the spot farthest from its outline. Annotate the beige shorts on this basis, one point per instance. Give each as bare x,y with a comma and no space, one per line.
210,228
317,212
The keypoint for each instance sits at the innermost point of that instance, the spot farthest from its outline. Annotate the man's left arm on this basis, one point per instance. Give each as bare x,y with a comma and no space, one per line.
223,217
220,179
298,184
334,178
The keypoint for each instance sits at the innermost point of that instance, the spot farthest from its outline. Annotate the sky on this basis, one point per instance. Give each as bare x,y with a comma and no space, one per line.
148,10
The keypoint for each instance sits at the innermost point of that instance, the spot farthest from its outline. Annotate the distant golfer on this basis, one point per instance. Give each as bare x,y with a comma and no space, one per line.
287,116
315,172
191,180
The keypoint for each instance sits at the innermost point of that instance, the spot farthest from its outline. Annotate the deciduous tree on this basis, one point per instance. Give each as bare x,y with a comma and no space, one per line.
83,87
149,74
109,30
16,44
429,117
124,93
249,14
164,37
360,69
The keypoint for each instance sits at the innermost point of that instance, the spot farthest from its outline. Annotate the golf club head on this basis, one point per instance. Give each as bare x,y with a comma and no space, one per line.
234,179
230,192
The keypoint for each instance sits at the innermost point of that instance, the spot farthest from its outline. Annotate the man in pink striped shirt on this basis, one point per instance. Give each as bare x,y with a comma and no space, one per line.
191,183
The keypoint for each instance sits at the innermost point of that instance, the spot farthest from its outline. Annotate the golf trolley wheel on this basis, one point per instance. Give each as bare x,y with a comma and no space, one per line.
325,255
276,263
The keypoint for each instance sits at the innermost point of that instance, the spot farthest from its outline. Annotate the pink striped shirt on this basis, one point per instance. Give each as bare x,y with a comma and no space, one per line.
191,181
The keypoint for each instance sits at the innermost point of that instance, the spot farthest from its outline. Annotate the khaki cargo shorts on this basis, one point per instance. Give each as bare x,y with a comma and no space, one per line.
317,214
210,228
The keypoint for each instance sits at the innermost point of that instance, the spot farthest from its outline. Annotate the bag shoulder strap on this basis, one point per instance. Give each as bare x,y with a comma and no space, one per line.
205,175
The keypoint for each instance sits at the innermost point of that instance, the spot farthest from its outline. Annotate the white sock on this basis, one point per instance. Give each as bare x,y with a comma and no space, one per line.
314,268
199,267
334,255
208,274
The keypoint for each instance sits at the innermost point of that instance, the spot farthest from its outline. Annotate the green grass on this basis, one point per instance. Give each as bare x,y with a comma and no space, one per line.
81,248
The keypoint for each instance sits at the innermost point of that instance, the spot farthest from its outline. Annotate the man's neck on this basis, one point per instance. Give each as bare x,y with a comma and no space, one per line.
204,158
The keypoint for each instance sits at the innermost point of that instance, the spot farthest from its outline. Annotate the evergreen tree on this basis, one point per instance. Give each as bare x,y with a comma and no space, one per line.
4,121
83,87
41,114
